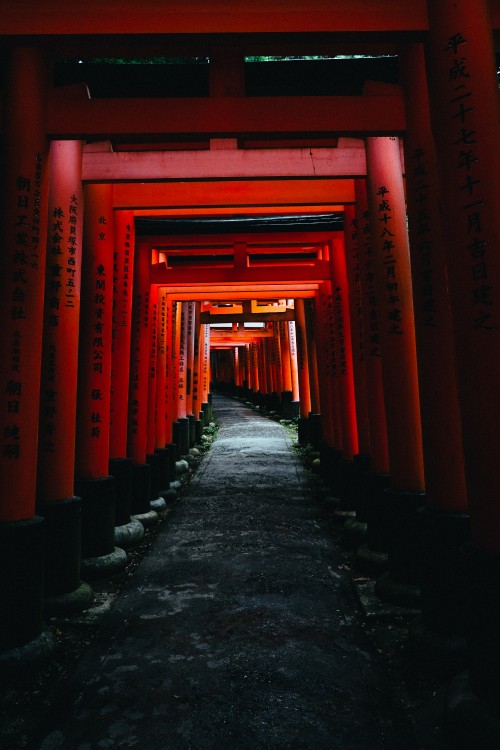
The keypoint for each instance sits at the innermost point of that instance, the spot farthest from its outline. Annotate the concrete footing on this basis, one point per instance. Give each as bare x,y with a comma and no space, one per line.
63,605
147,519
129,535
22,546
17,665
104,565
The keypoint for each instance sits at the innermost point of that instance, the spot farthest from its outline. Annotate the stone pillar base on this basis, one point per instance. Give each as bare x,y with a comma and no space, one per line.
129,535
98,515
153,460
192,429
63,529
120,469
147,519
469,721
19,664
63,605
104,565
183,423
445,567
140,477
166,466
205,409
21,582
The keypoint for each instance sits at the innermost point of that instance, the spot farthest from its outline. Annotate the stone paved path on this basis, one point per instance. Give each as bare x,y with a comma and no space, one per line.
240,629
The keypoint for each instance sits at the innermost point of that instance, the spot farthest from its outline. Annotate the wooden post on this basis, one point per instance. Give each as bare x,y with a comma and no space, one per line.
465,117
22,262
57,433
389,238
94,484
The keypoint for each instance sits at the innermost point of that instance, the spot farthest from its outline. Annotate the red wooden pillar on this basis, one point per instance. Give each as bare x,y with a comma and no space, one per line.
353,270
466,123
138,385
94,484
182,341
446,519
57,430
205,375
189,371
292,337
389,237
302,370
326,363
22,263
151,456
123,275
286,371
379,449
344,348
197,359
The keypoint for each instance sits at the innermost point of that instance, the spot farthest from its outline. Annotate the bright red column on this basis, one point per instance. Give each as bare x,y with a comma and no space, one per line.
56,500
342,332
389,240
139,357
57,431
161,371
286,371
444,470
182,351
312,357
122,321
353,269
292,335
466,124
190,356
152,371
466,120
379,448
93,420
169,337
326,361
302,360
93,482
24,228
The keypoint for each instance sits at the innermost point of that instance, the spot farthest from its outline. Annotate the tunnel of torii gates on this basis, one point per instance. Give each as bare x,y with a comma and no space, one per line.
351,242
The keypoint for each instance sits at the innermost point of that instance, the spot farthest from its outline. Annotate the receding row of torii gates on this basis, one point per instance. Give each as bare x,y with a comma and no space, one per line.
392,355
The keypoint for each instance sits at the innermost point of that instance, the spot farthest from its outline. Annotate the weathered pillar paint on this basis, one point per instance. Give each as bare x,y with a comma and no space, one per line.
353,269
123,278
466,124
389,240
57,430
379,448
343,346
22,274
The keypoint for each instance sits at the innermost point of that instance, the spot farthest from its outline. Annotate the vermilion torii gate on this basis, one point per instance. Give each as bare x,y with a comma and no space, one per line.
424,318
